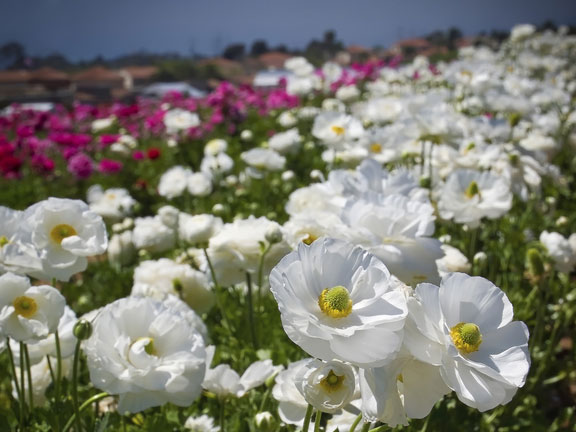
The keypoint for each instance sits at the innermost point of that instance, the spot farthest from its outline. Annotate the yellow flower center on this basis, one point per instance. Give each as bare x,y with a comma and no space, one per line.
149,348
335,302
309,239
332,382
25,306
61,231
376,148
3,241
472,190
466,337
338,130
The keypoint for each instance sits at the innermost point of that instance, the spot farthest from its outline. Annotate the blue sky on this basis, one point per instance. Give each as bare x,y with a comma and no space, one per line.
82,29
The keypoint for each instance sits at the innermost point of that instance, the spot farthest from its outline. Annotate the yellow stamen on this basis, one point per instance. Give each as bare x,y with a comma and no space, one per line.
376,148
25,306
61,231
335,302
332,382
466,337
472,190
149,348
309,239
338,130
4,241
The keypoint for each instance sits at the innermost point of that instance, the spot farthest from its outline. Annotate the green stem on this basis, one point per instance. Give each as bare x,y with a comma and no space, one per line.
356,422
50,368
217,291
307,418
22,372
24,351
18,389
75,385
379,429
251,312
58,380
221,414
317,421
366,427
86,404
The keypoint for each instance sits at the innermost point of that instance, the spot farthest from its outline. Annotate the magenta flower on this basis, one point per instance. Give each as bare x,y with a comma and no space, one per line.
80,165
109,166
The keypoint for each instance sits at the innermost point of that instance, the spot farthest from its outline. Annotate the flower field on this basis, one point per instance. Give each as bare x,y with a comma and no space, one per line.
389,246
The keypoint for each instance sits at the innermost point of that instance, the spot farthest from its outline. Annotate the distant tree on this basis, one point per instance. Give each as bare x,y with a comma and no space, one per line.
54,60
437,38
13,55
234,51
259,47
453,34
280,48
547,25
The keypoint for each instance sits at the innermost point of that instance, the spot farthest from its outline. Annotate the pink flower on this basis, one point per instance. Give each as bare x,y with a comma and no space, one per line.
109,166
138,155
80,165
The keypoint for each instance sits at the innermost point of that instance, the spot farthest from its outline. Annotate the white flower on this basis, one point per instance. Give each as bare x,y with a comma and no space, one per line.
111,203
347,93
178,119
121,248
465,327
397,230
215,165
522,31
160,278
287,119
64,232
215,146
224,381
198,228
151,234
453,261
407,388
264,159
468,196
28,313
199,184
47,346
174,182
559,250
237,249
327,386
169,215
285,142
291,403
103,123
14,256
336,129
146,353
336,300
201,424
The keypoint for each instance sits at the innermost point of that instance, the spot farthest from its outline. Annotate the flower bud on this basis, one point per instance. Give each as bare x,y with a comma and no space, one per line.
274,234
265,421
82,329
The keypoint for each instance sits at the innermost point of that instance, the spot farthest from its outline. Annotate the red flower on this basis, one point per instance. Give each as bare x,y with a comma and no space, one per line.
153,153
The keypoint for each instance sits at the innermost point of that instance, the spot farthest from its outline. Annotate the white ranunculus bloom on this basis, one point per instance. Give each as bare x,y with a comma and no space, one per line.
237,249
201,424
216,165
147,353
151,234
103,123
336,299
47,346
160,278
559,250
112,203
336,129
121,248
15,257
199,184
327,386
198,228
468,196
264,159
174,182
63,232
398,230
465,327
177,120
215,146
28,313
291,403
452,261
285,142
224,381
